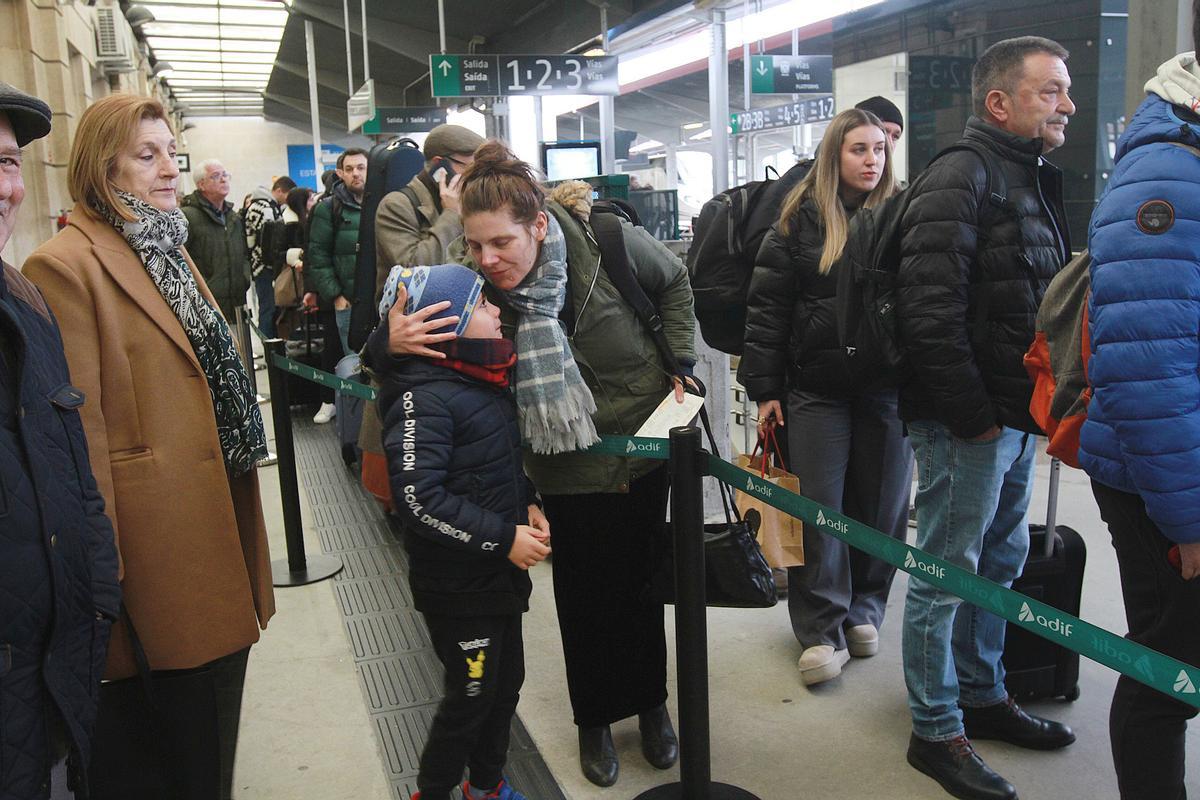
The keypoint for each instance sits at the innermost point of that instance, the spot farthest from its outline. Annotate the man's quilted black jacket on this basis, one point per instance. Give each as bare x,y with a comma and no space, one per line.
58,564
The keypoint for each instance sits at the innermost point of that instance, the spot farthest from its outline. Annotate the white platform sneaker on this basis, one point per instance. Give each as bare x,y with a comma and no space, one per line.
862,640
327,412
821,663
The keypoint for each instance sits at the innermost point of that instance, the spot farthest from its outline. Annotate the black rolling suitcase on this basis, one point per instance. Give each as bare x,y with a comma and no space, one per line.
306,345
1036,667
390,167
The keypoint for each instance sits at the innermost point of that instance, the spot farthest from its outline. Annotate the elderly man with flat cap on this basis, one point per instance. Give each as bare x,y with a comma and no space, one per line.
416,225
58,565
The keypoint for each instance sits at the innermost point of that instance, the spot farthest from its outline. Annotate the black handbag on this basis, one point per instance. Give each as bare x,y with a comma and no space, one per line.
736,575
156,734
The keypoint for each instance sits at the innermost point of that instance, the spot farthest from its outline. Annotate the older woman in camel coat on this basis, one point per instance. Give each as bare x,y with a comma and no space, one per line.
173,430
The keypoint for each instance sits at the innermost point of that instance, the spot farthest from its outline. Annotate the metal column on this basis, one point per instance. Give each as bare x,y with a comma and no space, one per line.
349,57
608,133
314,106
718,103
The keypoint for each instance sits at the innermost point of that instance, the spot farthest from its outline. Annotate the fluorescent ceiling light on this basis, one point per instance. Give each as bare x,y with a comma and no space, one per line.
702,136
691,126
650,144
780,18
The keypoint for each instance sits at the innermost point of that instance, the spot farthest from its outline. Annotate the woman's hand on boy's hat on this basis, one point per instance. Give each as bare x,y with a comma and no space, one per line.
411,334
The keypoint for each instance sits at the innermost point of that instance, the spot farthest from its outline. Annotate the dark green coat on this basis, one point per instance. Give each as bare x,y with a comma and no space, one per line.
219,251
331,261
616,356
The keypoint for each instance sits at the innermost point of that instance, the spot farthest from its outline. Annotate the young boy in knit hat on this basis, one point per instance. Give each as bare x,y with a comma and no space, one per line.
472,526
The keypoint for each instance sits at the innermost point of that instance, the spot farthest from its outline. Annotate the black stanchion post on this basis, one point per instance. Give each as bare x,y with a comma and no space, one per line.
297,569
688,467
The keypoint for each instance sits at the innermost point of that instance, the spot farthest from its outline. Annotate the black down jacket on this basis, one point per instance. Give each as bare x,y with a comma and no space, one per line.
454,464
791,320
972,278
58,564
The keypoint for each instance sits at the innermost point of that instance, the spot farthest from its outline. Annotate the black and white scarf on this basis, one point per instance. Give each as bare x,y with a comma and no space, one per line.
156,237
555,404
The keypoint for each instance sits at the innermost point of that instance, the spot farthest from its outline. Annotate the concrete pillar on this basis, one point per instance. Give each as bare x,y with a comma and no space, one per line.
1158,29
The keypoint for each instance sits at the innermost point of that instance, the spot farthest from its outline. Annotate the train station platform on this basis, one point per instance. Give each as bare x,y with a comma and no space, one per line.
341,687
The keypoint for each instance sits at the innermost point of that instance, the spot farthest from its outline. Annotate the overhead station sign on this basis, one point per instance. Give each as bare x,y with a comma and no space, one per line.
489,75
801,112
791,74
405,119
361,105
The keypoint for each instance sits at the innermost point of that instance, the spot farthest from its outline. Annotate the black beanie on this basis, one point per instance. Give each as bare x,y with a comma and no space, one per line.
883,108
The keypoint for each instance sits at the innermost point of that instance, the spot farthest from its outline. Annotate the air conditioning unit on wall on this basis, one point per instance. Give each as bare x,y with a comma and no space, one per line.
116,47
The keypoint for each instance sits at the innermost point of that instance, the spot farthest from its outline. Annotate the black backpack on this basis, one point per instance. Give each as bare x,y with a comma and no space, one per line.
274,240
867,275
725,242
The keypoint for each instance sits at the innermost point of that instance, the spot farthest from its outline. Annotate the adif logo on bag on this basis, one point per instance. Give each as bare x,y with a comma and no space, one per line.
832,524
910,562
1183,683
1049,623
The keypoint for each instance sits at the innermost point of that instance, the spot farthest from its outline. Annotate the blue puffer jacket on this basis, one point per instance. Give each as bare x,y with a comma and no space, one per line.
1142,434
58,565
454,462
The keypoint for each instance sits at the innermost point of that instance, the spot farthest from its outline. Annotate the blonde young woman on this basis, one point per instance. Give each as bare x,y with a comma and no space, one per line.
847,446
173,435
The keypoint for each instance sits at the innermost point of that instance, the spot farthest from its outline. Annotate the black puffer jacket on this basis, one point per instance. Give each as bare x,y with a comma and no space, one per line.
972,278
791,321
454,464
58,564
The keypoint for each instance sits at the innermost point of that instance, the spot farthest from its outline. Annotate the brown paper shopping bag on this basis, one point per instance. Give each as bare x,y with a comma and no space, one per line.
780,535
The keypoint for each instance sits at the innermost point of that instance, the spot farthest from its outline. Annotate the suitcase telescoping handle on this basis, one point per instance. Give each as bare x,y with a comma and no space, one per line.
1052,507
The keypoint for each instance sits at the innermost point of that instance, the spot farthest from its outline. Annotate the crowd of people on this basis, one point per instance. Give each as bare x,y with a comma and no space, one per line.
134,545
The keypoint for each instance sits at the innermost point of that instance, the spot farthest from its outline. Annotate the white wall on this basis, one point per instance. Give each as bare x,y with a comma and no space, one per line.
856,82
251,148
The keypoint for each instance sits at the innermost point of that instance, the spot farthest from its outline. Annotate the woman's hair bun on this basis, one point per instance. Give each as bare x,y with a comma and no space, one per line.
499,179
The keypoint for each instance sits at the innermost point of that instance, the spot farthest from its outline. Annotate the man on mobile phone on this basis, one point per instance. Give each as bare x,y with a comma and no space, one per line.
416,225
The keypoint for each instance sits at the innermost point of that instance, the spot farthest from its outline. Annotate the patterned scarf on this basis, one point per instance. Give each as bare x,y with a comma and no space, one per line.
554,402
485,360
156,237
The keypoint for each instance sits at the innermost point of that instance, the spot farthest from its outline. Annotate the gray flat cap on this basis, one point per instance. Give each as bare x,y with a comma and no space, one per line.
29,116
449,140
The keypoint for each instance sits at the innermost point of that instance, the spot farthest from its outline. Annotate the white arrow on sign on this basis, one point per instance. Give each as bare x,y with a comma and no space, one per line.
445,68
762,68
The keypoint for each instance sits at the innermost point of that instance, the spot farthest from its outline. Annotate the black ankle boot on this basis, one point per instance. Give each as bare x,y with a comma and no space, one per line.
1008,722
659,745
597,756
958,768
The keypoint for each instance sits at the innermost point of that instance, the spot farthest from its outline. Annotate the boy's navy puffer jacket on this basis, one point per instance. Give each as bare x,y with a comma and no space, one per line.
454,461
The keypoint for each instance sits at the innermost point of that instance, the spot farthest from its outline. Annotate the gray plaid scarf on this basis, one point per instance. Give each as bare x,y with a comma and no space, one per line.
555,404
156,237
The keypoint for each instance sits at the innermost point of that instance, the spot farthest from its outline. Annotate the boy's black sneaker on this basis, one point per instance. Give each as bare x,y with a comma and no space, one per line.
1008,722
958,768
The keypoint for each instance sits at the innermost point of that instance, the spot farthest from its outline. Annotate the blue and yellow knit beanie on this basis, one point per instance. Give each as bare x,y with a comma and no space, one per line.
426,286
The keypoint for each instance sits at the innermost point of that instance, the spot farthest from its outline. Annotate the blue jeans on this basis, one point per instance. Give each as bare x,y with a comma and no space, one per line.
264,289
342,320
972,510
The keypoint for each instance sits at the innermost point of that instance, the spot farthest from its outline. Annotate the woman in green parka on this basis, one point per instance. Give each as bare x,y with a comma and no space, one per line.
585,366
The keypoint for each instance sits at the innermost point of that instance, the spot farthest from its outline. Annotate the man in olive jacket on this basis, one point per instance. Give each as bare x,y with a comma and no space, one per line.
332,256
216,239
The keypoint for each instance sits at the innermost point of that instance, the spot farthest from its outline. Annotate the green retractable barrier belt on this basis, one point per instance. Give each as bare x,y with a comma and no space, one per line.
1170,676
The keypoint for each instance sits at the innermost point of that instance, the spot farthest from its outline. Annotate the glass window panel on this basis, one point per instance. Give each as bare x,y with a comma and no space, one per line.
218,67
154,5
213,14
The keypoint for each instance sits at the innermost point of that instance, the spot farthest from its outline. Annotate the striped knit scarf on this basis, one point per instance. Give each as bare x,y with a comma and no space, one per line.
554,403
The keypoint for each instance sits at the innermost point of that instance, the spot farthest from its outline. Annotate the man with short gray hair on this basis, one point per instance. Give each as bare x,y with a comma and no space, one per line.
216,239
984,232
